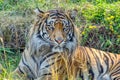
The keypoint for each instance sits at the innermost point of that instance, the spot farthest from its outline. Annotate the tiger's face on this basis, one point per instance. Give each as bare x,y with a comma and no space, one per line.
56,28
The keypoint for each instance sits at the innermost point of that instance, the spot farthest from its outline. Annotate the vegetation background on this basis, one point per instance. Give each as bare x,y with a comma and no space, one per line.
98,21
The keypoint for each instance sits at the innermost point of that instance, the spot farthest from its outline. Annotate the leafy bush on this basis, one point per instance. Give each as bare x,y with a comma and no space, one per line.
1,3
107,16
100,38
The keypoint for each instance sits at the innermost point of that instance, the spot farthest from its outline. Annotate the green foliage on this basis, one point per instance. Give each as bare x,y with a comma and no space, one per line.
1,3
15,4
107,15
112,18
100,38
9,58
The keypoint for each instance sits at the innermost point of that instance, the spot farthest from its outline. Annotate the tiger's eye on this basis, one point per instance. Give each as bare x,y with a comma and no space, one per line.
66,29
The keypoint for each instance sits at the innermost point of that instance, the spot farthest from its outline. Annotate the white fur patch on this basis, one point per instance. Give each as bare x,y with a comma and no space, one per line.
57,49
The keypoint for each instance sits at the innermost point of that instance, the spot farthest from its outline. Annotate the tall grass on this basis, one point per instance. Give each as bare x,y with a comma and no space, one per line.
9,61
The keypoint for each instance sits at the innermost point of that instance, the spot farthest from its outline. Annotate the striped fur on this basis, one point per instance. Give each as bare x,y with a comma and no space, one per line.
52,52
53,34
93,64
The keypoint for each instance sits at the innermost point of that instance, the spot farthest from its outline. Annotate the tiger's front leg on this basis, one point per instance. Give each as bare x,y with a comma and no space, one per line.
27,68
23,74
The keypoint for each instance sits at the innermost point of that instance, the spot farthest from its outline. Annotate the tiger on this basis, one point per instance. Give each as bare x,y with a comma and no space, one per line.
53,52
52,35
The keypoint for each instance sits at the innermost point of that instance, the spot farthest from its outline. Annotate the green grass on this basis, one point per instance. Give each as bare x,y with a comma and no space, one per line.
9,58
103,14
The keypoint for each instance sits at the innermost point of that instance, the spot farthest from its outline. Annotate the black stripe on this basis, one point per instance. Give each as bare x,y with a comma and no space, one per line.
57,15
35,61
100,64
106,60
100,68
81,74
110,58
33,58
116,67
20,70
47,74
52,63
39,27
90,66
27,67
39,36
45,57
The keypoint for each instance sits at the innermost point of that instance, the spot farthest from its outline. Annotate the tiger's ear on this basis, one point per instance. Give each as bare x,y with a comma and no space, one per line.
39,12
72,14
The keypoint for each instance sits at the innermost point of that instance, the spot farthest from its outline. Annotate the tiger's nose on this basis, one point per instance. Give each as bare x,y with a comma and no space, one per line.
59,40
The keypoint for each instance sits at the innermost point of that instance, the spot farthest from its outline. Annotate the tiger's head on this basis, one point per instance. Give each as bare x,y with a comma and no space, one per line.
56,29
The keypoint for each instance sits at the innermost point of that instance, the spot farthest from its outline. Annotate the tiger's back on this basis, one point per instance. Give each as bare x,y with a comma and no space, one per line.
96,64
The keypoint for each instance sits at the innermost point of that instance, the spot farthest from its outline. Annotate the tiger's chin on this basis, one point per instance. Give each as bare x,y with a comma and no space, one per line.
57,49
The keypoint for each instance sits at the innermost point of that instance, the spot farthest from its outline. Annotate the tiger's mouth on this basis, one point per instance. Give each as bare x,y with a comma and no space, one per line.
55,47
